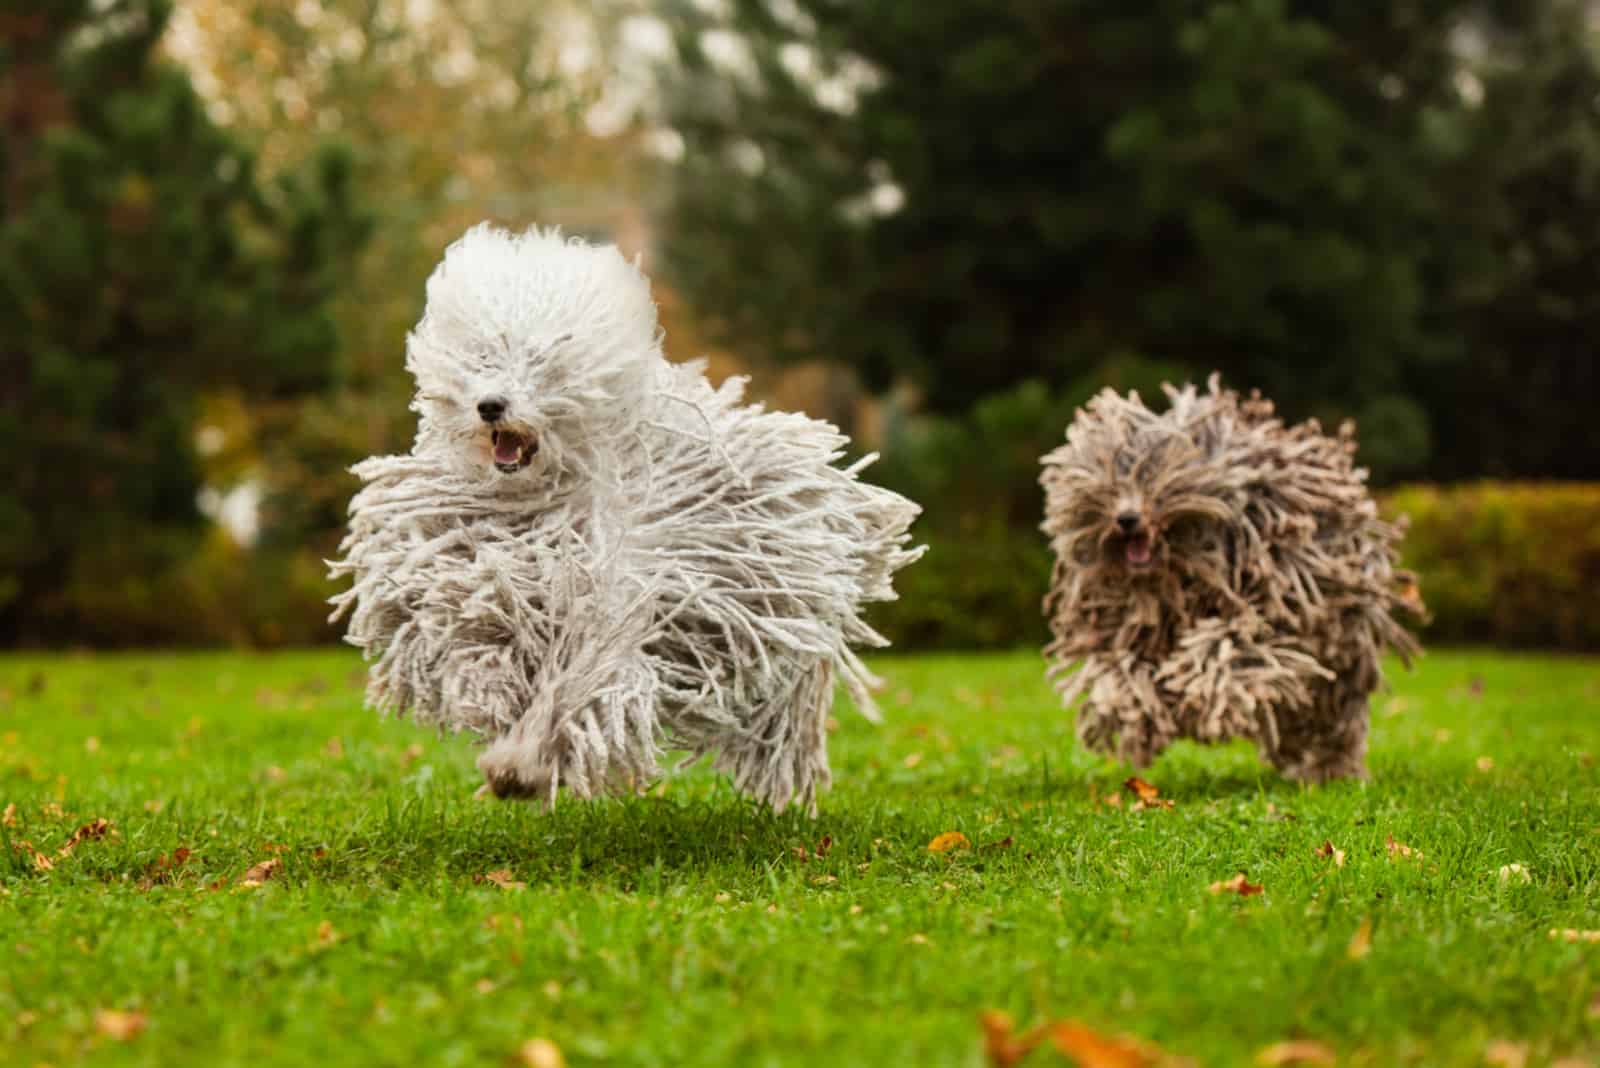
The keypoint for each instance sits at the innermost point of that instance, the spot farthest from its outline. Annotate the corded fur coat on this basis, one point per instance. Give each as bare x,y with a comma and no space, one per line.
590,556
1219,575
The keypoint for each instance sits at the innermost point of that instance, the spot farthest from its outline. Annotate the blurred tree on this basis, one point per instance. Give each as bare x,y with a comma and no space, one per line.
458,111
1526,293
965,195
142,263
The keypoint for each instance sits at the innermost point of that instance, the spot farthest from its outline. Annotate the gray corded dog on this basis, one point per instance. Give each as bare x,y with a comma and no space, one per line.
591,556
1219,575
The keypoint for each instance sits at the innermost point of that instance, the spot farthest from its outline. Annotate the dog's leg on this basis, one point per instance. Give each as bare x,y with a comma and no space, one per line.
1327,741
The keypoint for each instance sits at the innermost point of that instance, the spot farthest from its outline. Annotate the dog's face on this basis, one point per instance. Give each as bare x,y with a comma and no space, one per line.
1130,494
532,349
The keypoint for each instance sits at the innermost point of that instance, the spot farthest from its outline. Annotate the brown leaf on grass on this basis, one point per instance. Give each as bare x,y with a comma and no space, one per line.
1001,1046
40,861
1328,851
1236,885
949,840
1142,790
334,748
1005,843
912,760
1485,763
503,878
163,868
1148,796
825,844
1399,850
541,1053
1300,1051
1594,1007
1090,1049
1505,1054
1572,934
260,873
1360,942
93,829
122,1026
327,936
8,818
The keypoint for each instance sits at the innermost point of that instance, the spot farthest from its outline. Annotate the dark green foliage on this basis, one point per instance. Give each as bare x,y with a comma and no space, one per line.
1307,196
142,263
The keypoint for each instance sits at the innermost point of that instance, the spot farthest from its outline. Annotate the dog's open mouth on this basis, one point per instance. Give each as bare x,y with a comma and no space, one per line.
1136,551
512,451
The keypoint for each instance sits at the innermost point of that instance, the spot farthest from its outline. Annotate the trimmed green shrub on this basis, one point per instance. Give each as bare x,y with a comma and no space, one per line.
983,589
1514,564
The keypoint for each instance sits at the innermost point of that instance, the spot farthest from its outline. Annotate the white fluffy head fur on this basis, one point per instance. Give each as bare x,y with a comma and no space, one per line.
560,332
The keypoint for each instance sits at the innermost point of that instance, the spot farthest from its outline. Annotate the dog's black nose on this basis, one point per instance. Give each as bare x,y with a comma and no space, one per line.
1128,521
492,408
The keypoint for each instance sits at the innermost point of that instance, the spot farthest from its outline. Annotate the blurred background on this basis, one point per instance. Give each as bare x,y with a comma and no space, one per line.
940,224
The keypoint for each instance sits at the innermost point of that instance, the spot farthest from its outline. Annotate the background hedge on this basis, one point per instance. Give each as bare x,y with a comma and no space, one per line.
1509,563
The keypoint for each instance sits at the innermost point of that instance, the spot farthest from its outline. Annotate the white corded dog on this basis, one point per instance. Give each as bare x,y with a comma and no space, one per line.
591,556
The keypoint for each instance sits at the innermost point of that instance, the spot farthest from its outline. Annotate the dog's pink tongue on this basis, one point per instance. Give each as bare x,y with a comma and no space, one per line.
507,450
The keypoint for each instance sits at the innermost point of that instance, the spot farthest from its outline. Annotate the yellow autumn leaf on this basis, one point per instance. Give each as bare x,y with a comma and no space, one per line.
948,841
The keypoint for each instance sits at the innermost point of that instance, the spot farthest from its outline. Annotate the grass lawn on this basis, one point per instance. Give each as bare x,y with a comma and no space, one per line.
689,927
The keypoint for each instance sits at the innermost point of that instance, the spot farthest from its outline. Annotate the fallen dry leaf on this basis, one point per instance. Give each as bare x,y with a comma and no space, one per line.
912,760
948,841
484,986
326,935
91,744
1142,790
8,818
334,748
93,829
1505,1054
541,1053
1401,850
1236,885
1300,1051
824,845
1594,1007
40,861
1331,852
1360,942
261,872
1572,934
503,878
118,1025
1090,1049
163,867
1485,763
1001,1045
